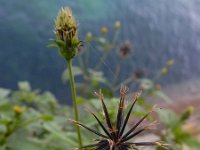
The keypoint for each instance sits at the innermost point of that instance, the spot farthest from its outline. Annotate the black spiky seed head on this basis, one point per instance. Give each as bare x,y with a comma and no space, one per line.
114,137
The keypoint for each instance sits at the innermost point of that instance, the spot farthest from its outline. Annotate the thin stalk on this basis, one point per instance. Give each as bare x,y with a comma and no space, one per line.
102,60
117,72
73,90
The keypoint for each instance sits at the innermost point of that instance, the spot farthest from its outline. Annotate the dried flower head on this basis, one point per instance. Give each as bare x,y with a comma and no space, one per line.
66,31
125,49
139,73
114,137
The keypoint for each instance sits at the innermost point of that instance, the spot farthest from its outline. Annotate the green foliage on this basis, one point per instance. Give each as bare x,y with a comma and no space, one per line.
174,134
34,120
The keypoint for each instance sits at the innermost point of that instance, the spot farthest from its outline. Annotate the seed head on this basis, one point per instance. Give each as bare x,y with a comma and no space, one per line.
115,137
125,49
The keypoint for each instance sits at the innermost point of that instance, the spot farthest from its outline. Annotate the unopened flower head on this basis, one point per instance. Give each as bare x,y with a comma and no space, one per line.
65,25
66,31
117,25
104,30
18,109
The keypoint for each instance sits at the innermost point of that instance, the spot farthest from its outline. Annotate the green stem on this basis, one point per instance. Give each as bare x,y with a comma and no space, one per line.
73,90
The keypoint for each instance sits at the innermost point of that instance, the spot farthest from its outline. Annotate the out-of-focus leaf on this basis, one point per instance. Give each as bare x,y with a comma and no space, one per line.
97,76
80,100
56,130
101,40
19,141
76,71
163,71
24,86
107,92
162,95
4,93
192,142
169,118
47,117
146,84
5,107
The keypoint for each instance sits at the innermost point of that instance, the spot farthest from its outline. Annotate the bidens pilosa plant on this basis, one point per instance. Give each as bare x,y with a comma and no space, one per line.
114,137
66,32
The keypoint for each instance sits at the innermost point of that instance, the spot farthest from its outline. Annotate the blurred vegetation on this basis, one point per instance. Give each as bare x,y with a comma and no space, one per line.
34,120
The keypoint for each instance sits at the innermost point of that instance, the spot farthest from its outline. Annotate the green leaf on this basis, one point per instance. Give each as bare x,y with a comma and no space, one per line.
52,45
24,86
19,141
76,71
54,129
97,76
101,40
192,142
162,95
5,107
80,100
4,93
47,117
146,84
169,118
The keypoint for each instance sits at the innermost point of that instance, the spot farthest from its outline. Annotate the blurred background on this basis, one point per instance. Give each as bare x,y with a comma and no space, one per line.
158,31
152,45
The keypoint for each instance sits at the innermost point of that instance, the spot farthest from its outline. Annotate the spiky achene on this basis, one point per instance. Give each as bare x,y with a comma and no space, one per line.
114,137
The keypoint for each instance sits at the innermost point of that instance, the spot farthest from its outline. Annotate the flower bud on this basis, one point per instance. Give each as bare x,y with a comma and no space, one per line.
17,109
89,37
104,30
66,33
117,25
65,25
187,113
170,62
